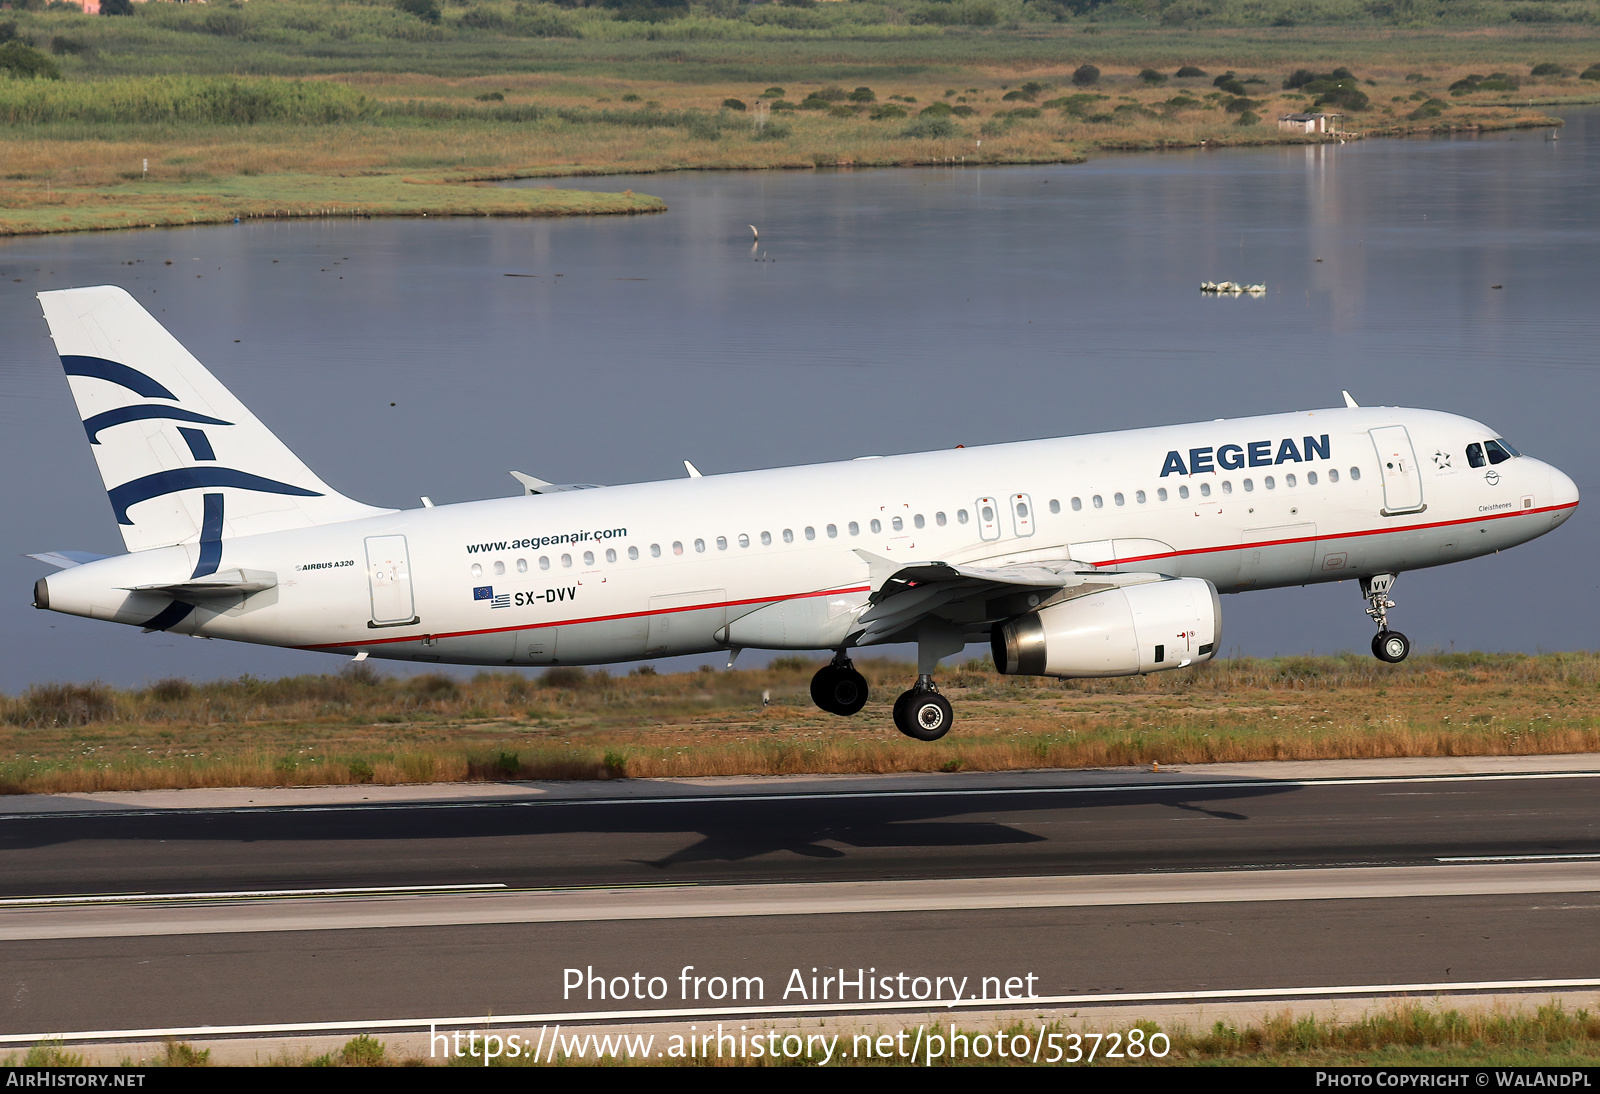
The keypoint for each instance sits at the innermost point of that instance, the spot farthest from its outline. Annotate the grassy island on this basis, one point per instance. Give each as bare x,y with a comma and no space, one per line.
182,113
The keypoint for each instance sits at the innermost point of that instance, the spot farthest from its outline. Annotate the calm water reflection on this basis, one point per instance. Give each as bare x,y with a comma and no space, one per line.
881,311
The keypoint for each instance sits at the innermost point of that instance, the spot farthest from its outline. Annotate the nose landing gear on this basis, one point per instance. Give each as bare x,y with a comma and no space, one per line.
1387,645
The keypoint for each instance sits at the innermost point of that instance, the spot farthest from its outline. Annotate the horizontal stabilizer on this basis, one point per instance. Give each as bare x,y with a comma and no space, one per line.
225,583
531,485
65,560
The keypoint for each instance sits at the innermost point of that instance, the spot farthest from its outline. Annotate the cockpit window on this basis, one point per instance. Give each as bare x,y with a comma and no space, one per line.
1505,444
1475,455
1497,454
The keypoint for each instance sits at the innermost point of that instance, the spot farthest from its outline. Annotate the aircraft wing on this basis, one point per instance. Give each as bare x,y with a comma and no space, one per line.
973,596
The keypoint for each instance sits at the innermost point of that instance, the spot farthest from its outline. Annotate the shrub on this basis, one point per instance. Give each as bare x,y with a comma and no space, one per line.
179,1054
61,46
1590,73
1019,95
362,1051
863,95
1550,68
64,705
570,677
492,97
937,110
21,60
733,104
360,771
116,7
1086,76
830,95
772,93
772,131
170,689
1189,72
433,685
1249,117
1151,76
931,128
426,10
887,110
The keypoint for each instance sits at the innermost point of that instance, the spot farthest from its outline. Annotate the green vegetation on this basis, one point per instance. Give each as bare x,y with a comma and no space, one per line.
478,90
573,723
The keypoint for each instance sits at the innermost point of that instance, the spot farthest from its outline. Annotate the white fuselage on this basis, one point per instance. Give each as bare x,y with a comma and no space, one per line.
774,559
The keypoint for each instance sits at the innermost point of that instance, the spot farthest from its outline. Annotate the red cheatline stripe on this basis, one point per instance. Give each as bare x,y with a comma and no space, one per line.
592,619
867,588
1340,535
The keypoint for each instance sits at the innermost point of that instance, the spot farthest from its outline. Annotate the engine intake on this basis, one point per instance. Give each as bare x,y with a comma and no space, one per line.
1120,632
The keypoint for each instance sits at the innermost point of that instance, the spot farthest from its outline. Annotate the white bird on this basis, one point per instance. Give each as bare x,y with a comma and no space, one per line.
753,233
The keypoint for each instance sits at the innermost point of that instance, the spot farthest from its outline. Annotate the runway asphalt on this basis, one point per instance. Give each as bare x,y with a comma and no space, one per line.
1296,881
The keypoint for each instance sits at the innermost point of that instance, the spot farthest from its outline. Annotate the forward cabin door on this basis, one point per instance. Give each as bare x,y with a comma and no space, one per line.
1397,462
389,578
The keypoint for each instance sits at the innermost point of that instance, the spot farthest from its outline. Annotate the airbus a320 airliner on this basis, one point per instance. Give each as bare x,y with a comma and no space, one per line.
1080,557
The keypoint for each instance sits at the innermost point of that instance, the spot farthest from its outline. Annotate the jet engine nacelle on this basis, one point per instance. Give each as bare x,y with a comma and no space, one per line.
1120,632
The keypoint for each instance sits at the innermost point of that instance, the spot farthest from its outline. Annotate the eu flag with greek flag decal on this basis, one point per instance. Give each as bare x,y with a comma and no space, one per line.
483,592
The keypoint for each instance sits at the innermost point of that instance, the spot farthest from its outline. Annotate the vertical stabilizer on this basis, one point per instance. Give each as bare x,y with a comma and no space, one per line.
181,457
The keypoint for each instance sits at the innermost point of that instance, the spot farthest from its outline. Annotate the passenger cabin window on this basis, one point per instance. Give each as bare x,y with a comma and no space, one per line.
1288,480
811,533
938,518
499,568
633,554
700,546
1077,504
744,540
1227,486
766,539
788,535
897,524
1333,474
1355,473
722,543
1118,498
1139,496
544,560
1099,502
522,565
477,570
677,547
1311,479
566,560
1161,494
1183,492
611,555
876,525
1055,505
854,528
833,531
918,521
1249,485
588,558
655,552
1205,490
961,516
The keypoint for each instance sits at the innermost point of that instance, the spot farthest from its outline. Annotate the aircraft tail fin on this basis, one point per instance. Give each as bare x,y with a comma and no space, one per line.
183,460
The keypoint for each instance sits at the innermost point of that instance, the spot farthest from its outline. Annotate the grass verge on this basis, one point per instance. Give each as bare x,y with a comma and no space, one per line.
362,727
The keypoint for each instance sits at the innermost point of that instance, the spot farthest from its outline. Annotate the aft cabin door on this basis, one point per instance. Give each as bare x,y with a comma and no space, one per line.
389,578
1397,462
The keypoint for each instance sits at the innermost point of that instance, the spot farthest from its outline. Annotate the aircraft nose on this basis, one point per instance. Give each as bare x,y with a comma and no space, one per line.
1563,491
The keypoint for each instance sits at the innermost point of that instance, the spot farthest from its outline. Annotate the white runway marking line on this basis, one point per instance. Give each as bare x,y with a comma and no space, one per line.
846,795
1518,858
509,906
502,1021
243,894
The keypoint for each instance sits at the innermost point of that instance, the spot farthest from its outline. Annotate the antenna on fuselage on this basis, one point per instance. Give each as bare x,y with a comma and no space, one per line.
694,472
1349,402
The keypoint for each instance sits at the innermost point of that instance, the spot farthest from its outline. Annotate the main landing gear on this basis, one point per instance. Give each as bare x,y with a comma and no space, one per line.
922,712
838,688
1387,645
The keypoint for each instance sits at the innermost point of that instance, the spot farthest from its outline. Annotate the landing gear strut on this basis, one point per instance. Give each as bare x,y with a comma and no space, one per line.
838,688
1387,645
922,712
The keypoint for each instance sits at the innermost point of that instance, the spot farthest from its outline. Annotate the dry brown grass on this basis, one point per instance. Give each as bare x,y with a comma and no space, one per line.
587,725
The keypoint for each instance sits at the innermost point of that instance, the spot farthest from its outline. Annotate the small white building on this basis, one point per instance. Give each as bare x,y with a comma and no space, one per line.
1310,123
